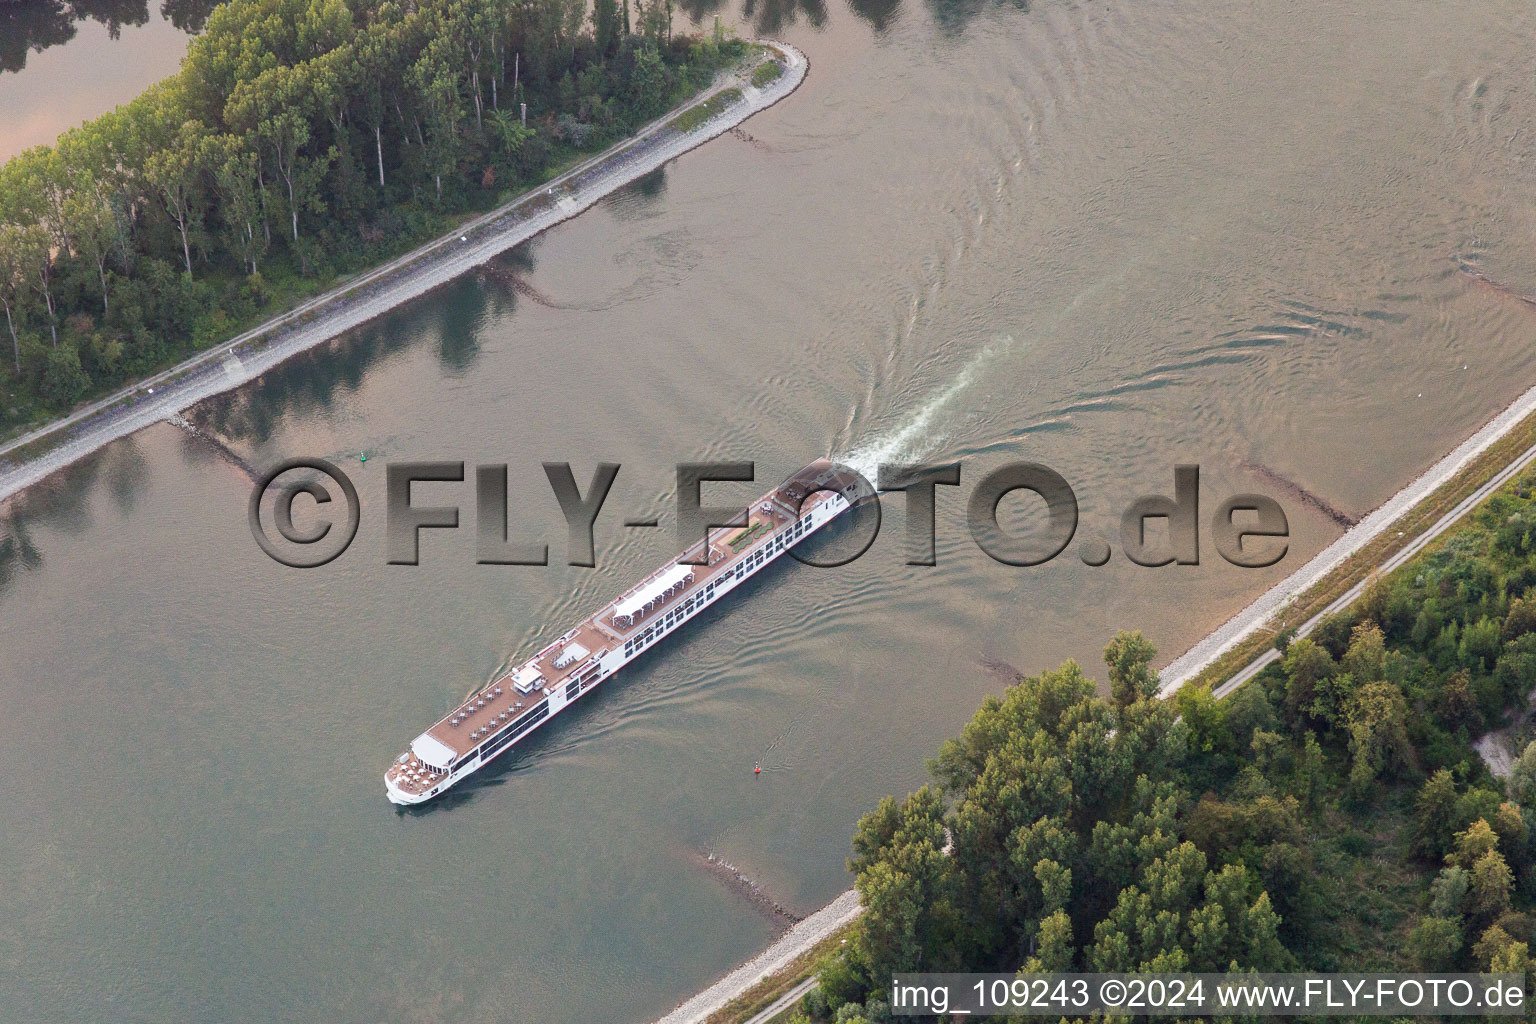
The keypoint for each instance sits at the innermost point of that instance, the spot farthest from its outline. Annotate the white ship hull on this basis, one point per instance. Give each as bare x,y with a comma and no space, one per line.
433,767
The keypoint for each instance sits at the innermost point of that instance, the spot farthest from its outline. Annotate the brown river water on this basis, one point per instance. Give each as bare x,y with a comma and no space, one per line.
1105,236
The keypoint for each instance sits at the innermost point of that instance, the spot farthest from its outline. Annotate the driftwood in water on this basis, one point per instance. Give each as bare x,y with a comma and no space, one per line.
1001,670
1301,494
1497,286
749,139
221,449
732,878
501,275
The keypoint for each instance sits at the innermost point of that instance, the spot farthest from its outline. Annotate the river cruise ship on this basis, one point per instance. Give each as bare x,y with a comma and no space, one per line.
513,706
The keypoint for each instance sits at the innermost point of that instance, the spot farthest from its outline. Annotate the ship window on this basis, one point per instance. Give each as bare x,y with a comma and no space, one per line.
530,720
496,744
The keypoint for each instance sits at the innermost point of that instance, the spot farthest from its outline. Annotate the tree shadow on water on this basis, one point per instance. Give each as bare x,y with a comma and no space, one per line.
63,502
18,553
305,384
638,198
32,26
312,382
771,16
881,14
35,25
188,15
952,16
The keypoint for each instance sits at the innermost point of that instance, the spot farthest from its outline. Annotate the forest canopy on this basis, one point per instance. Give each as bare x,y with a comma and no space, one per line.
300,140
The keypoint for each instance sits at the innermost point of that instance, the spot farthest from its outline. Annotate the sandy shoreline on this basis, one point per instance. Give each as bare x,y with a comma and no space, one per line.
378,291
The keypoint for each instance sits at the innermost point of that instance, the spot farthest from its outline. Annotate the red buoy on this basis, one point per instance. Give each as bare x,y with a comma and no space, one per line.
757,769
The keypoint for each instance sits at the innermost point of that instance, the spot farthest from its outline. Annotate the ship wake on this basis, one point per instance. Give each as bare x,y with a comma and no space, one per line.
920,436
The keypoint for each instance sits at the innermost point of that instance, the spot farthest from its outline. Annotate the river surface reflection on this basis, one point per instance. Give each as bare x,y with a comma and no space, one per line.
1109,237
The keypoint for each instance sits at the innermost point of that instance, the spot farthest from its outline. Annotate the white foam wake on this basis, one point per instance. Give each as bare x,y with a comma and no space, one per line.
917,438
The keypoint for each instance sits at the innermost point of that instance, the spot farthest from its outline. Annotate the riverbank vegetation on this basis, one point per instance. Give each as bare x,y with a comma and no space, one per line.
302,141
1332,814
696,115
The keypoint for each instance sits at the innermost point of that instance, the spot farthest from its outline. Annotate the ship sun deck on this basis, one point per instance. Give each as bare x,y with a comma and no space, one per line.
573,658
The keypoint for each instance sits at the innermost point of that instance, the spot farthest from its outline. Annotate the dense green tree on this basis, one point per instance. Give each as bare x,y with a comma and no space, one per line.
376,52
1514,835
433,82
21,249
1306,665
1435,817
64,379
1457,703
1248,712
234,172
1481,643
1366,658
1522,777
1053,948
1206,719
1334,631
1478,839
274,110
174,170
93,226
909,888
1435,941
1129,659
1448,892
1491,885
1503,954
1378,732
1232,846
1521,618
606,26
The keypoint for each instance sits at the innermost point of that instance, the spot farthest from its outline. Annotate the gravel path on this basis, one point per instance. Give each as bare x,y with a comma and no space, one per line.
776,957
784,1002
359,300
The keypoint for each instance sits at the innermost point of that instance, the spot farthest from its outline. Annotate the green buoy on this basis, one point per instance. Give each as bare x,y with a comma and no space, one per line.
362,457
